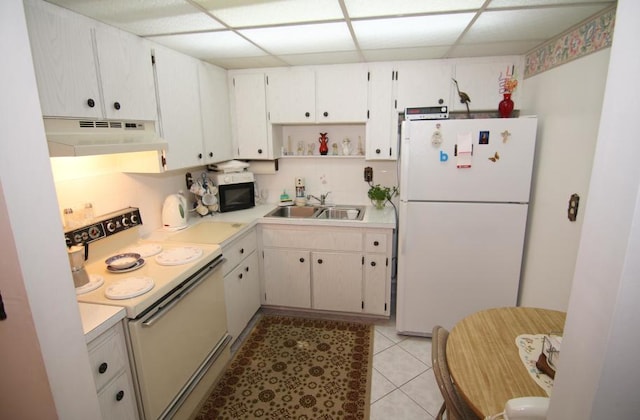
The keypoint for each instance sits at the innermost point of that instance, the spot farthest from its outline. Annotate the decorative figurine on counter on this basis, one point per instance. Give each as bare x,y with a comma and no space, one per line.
310,148
300,148
334,148
346,146
323,140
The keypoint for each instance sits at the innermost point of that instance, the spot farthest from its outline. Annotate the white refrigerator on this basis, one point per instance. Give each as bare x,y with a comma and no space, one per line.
464,194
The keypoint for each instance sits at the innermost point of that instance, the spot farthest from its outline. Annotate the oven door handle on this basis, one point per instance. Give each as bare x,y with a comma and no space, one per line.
162,309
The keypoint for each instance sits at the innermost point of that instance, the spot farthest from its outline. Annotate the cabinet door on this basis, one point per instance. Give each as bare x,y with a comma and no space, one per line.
126,73
337,281
376,279
214,104
62,49
242,294
250,125
341,94
291,96
287,278
484,83
180,121
382,122
424,83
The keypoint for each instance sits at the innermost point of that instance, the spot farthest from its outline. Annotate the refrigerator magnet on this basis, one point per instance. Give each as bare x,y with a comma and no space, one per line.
506,135
436,137
495,157
483,138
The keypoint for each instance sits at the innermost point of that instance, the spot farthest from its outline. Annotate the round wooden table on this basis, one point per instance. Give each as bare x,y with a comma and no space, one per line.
483,356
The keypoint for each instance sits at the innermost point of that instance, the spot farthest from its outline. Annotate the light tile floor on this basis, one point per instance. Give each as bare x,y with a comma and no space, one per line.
403,386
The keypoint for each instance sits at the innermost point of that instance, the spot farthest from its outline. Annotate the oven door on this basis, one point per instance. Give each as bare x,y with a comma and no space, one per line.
176,342
236,196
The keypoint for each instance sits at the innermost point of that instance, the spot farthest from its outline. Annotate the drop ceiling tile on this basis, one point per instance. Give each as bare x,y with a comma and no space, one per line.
342,57
302,39
397,54
239,14
493,49
144,17
247,62
525,24
410,32
528,3
372,8
207,45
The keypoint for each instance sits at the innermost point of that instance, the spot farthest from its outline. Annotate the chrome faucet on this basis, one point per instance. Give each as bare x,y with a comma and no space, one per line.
322,198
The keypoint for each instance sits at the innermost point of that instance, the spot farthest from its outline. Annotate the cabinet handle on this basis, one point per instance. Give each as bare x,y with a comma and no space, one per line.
116,105
240,276
199,155
91,103
301,259
242,250
325,113
378,151
373,263
259,151
120,395
320,261
210,154
246,269
306,114
376,243
103,367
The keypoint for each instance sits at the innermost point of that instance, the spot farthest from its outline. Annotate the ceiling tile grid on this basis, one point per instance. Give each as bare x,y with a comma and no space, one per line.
237,34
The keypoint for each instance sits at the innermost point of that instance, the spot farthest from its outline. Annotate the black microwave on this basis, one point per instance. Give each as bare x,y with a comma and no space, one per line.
236,191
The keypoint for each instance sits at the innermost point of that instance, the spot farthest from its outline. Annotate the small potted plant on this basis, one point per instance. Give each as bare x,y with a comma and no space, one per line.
379,195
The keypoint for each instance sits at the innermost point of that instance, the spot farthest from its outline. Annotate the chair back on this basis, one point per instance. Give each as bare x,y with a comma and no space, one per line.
453,405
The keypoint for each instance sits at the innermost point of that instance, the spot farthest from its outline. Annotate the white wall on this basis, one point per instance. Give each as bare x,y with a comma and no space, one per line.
599,371
42,258
568,102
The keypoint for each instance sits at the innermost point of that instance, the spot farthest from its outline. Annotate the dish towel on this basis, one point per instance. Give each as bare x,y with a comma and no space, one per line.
530,347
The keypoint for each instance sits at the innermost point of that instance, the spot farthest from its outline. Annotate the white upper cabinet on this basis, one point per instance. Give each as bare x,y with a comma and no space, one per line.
382,122
249,119
179,104
291,96
424,83
73,55
214,103
484,81
126,72
341,94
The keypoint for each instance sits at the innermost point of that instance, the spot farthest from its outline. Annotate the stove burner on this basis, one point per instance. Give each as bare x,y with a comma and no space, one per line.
178,256
95,281
129,288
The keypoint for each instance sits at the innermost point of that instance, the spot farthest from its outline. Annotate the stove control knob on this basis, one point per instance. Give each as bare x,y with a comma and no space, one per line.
134,219
111,227
125,221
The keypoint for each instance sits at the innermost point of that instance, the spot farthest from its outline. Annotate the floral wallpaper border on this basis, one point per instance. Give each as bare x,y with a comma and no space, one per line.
586,38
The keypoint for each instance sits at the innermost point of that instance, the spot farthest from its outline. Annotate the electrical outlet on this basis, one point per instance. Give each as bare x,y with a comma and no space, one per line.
368,174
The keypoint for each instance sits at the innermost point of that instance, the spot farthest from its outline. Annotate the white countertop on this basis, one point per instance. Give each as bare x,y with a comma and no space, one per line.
97,319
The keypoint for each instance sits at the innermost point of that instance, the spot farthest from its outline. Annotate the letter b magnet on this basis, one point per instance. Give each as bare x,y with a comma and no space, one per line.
443,156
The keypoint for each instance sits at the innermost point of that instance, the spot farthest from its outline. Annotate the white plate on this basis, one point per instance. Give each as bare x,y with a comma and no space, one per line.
122,261
129,288
145,250
137,265
177,256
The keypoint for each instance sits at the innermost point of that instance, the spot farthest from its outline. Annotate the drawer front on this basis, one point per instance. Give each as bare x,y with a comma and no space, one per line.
375,242
107,356
235,252
117,400
325,239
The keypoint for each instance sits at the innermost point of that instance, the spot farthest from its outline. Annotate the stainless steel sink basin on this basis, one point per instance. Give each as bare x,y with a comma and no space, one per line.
291,211
319,212
342,213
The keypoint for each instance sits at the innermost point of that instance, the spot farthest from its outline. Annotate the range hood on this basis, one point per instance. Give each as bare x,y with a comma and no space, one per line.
86,137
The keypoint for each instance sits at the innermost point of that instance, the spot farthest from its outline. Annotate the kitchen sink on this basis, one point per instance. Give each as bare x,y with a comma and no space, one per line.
342,213
319,212
296,212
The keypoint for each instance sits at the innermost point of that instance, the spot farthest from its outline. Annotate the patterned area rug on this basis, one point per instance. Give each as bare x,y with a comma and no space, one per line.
297,368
